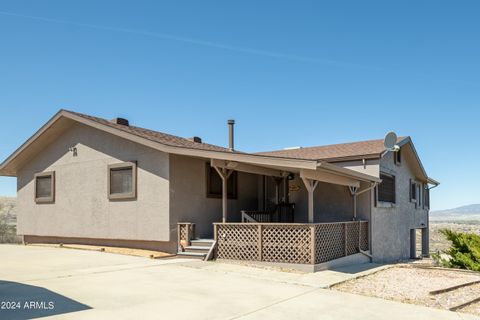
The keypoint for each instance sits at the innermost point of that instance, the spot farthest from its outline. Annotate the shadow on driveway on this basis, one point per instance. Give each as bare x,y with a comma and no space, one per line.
21,301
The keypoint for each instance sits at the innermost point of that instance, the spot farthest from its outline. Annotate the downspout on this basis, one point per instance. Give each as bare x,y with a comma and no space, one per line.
370,219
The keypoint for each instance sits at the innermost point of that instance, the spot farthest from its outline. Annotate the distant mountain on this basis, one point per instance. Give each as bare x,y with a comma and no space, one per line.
468,212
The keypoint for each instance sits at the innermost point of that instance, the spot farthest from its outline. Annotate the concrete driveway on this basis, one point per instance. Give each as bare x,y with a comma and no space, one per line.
76,284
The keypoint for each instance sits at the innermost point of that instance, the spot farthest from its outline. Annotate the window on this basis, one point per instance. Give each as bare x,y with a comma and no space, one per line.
397,157
45,187
413,191
419,195
386,189
214,184
122,181
426,195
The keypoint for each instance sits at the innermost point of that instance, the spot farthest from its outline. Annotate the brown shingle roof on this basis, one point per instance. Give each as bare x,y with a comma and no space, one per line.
160,137
334,151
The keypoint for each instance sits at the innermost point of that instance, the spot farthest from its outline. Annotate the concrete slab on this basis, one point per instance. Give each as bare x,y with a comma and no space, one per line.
94,285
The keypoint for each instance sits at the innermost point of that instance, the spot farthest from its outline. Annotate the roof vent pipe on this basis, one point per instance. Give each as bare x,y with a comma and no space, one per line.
231,122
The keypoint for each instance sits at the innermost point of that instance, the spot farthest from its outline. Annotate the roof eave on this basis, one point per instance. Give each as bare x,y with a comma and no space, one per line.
369,156
433,182
6,170
4,166
348,172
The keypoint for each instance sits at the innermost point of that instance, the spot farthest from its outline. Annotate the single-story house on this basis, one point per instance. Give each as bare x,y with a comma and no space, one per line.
83,179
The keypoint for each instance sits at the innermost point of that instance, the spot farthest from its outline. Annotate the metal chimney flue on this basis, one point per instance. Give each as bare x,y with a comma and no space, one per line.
231,123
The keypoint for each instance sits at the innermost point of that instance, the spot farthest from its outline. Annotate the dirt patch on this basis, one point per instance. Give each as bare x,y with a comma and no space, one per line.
118,250
413,285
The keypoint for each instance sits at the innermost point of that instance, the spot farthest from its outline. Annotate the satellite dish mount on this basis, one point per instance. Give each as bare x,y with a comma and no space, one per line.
390,142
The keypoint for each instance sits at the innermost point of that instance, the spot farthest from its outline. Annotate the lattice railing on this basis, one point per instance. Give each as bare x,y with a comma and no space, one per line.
329,241
363,235
286,243
237,241
290,243
185,233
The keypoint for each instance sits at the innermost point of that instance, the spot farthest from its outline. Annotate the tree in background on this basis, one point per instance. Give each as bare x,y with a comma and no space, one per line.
464,252
8,231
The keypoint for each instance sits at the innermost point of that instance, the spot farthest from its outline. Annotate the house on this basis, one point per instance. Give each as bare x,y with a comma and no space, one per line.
83,179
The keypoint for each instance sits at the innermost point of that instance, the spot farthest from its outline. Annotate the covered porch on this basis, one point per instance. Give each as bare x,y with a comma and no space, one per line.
296,221
328,193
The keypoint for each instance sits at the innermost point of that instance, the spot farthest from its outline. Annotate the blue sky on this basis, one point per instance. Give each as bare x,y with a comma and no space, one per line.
291,73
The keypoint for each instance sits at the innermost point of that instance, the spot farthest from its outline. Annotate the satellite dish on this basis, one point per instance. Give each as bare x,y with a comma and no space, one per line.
390,141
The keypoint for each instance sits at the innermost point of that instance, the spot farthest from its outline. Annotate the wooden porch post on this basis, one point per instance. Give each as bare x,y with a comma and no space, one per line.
224,173
224,199
310,185
353,192
278,180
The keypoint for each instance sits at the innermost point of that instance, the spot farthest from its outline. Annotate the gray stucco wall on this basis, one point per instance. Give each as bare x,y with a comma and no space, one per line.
82,208
188,200
391,224
331,202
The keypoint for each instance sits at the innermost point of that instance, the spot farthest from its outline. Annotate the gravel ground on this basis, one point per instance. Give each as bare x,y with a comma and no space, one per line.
413,285
473,308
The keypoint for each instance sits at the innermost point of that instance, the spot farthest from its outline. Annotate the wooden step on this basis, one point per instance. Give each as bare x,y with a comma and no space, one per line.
198,249
202,242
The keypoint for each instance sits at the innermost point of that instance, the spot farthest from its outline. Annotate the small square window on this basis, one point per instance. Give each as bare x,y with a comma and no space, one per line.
122,181
45,187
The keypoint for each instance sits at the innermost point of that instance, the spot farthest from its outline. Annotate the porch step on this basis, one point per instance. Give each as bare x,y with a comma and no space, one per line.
202,242
198,249
194,255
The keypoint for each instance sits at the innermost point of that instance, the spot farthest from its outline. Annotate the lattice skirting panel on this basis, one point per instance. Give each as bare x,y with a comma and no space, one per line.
238,241
364,235
183,231
287,243
290,243
329,241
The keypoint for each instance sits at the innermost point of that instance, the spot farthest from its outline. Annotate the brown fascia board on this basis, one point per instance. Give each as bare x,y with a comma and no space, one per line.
353,158
3,166
223,155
